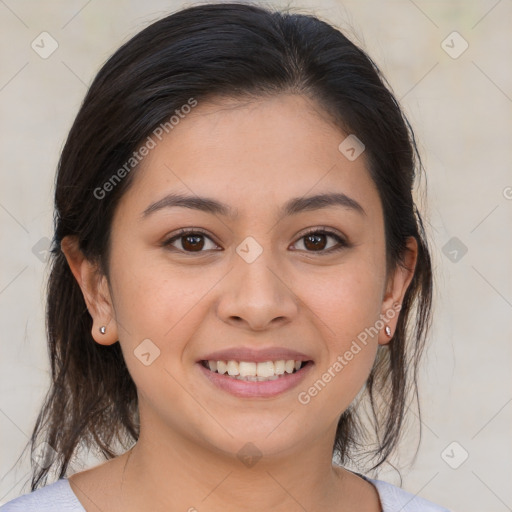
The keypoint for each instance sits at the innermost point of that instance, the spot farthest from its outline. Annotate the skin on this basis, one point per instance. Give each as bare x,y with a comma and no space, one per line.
254,156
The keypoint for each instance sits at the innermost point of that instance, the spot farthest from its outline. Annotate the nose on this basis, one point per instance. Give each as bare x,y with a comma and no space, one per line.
257,295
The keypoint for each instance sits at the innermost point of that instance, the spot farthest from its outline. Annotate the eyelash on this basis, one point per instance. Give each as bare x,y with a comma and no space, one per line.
342,243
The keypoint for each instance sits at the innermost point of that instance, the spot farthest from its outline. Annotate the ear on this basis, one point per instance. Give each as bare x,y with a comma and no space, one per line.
396,287
95,290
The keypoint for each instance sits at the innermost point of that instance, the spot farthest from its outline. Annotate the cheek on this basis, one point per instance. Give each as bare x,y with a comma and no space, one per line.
347,300
346,306
159,311
161,303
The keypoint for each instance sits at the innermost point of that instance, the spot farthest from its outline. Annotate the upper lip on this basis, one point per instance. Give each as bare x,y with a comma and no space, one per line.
256,355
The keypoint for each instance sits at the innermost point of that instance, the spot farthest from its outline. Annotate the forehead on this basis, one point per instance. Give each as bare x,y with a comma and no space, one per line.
251,154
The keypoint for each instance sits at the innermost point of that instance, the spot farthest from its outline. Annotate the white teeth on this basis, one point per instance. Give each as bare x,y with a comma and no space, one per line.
222,367
279,367
254,372
255,378
289,366
233,368
265,369
246,369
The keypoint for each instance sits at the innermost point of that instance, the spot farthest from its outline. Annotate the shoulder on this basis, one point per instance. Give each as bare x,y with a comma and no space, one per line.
56,497
393,498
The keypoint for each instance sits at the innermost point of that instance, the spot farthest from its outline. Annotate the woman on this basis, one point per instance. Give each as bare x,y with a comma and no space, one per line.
237,259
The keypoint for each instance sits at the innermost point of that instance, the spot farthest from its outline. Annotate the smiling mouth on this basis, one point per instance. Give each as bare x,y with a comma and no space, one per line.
250,371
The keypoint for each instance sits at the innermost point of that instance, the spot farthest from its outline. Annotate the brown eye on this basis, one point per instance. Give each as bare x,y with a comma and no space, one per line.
190,241
317,241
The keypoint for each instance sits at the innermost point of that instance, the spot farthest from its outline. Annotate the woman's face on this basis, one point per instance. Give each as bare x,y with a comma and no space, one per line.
251,282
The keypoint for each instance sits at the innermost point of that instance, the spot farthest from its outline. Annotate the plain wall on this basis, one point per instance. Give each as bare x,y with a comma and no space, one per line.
461,110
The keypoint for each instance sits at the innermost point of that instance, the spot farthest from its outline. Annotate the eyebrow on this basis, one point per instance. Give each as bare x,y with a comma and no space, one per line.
291,207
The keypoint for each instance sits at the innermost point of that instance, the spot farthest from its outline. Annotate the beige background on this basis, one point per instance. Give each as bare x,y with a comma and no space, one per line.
461,109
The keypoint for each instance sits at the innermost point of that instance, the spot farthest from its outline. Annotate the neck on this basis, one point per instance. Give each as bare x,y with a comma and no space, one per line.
173,472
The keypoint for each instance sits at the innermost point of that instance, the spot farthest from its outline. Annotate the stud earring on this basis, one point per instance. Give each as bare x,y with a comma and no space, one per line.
103,329
388,330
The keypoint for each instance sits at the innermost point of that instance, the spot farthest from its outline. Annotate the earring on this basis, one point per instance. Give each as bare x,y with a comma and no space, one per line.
103,329
388,330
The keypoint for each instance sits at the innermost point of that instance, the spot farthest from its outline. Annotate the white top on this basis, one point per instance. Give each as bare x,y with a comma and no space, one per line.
59,497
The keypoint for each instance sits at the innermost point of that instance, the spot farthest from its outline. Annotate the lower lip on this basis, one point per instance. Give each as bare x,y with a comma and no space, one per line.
248,389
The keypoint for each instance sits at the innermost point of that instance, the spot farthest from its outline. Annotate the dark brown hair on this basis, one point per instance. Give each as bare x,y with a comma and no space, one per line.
201,52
